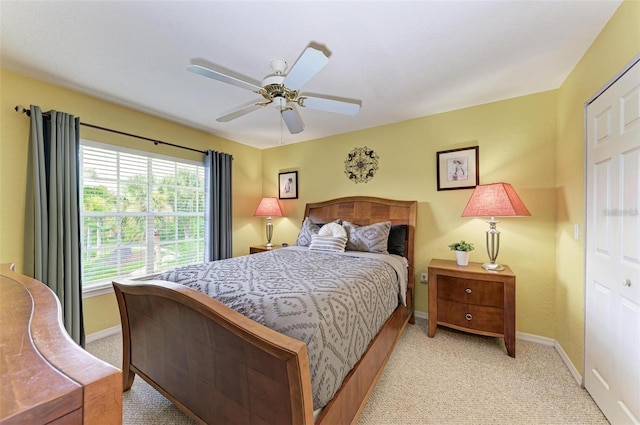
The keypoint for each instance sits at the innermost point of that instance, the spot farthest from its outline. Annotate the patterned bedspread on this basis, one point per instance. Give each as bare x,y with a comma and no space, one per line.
334,302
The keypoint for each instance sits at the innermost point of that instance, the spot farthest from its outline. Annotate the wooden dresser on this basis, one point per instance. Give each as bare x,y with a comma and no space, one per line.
46,377
472,299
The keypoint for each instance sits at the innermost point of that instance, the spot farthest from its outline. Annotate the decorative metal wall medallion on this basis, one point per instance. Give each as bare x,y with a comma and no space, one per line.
361,165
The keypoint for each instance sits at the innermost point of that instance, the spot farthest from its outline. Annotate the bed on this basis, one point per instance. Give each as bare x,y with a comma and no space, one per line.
219,366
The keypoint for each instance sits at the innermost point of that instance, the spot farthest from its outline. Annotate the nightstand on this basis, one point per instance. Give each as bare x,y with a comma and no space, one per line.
262,248
474,300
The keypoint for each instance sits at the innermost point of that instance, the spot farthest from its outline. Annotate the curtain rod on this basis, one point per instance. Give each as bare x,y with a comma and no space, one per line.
22,110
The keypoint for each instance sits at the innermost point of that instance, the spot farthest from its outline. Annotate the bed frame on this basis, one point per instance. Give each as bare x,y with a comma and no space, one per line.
219,367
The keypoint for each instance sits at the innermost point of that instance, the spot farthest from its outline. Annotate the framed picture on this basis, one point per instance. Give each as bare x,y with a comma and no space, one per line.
458,168
288,183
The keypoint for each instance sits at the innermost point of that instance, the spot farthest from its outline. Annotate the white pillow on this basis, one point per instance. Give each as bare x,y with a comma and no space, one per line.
328,243
332,229
308,229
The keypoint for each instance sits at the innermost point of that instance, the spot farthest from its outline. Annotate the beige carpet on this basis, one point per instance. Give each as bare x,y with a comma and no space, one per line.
454,378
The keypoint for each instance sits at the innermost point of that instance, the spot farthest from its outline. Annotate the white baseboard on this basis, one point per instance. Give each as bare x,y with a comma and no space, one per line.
555,344
538,340
103,334
567,362
421,315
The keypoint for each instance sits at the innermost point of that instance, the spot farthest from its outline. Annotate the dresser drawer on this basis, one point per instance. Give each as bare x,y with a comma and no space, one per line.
478,292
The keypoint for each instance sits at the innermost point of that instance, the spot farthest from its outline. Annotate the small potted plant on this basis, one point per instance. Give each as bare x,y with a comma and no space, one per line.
462,249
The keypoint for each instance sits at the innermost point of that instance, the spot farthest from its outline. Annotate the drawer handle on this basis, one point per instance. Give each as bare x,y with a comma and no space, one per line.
468,316
468,290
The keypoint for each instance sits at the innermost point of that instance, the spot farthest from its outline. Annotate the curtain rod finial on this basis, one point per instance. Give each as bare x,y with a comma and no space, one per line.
22,110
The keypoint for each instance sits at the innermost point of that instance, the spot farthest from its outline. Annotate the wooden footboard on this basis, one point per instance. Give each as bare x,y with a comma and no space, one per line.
213,363
220,367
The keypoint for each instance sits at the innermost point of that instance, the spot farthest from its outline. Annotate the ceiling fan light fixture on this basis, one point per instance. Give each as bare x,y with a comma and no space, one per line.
280,102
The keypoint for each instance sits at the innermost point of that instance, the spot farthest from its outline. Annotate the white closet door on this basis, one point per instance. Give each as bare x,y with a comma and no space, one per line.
612,319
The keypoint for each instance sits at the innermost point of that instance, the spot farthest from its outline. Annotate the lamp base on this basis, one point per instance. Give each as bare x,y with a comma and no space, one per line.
269,233
492,267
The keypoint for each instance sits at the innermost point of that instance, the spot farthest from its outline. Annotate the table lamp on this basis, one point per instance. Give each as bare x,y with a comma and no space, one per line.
269,207
494,200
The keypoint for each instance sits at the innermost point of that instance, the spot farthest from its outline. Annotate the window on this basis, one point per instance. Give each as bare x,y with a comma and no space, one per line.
140,213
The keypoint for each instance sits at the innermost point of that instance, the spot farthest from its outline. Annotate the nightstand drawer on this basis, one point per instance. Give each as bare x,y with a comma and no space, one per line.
452,312
486,319
478,292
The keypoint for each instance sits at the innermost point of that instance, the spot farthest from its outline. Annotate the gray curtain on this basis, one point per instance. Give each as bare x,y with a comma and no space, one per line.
217,217
53,246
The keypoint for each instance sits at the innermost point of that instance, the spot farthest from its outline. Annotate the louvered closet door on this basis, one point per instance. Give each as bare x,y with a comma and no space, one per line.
612,327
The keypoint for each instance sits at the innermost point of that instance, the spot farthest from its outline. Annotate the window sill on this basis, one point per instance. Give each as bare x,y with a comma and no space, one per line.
107,287
97,290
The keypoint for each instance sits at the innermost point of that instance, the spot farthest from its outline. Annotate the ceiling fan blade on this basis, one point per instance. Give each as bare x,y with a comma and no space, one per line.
292,119
309,64
204,68
330,104
241,110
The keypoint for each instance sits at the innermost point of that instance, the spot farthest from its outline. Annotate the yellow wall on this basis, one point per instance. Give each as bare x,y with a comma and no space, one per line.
101,312
516,138
534,142
615,46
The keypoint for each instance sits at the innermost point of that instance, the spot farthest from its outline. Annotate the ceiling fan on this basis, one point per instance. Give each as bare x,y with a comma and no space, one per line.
280,89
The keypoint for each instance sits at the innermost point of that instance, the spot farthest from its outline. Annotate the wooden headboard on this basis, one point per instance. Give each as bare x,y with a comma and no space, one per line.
364,210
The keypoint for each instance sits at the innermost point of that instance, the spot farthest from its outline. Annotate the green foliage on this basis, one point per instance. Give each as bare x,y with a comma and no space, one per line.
462,246
122,218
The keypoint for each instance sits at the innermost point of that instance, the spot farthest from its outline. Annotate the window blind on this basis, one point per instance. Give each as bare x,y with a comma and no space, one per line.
140,213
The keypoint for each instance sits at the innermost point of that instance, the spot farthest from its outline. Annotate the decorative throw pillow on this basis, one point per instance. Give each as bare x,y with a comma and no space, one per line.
371,238
308,229
328,243
397,235
332,229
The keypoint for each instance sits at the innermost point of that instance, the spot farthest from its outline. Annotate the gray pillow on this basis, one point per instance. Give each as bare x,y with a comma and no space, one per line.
371,238
308,229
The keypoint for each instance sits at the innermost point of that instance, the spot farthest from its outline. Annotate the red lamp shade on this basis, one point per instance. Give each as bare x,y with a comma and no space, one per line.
269,207
495,200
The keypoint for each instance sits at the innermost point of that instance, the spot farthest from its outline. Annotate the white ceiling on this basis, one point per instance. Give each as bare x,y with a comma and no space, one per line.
401,59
